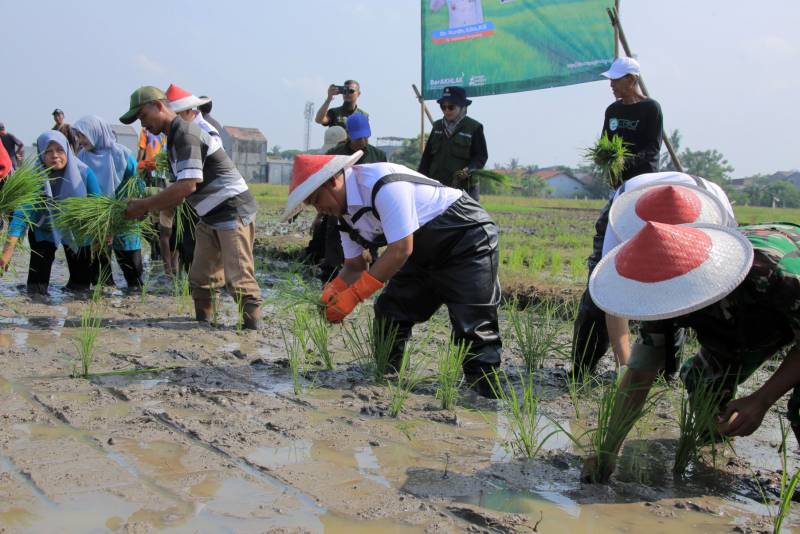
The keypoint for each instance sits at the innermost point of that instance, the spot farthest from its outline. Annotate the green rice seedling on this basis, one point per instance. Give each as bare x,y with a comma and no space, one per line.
293,291
215,304
697,423
450,374
608,155
239,298
87,335
537,332
788,485
144,289
409,376
485,174
613,424
185,221
577,386
181,292
296,353
538,260
23,187
371,343
528,434
556,263
317,327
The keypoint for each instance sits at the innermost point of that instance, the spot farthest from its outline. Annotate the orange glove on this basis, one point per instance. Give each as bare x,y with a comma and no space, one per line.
345,302
332,288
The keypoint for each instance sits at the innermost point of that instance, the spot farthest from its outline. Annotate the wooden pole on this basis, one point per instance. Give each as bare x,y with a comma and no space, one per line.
616,31
422,102
423,110
613,15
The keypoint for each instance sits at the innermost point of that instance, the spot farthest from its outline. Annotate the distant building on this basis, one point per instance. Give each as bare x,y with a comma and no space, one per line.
562,184
389,145
126,135
247,147
279,171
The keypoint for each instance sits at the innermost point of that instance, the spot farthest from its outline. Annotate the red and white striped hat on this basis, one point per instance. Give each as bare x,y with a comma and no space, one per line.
664,202
669,270
308,173
181,99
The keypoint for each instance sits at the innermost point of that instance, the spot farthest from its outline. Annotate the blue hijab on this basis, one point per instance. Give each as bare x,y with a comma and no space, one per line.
108,159
68,182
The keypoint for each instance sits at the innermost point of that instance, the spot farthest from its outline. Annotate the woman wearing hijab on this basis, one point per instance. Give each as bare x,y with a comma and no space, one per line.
114,165
69,177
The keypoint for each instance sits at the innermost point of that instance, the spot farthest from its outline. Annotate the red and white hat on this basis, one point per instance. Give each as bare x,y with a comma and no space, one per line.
181,99
667,270
308,173
664,202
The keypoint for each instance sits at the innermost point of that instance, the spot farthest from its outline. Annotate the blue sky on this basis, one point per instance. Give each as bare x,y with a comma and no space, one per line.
725,71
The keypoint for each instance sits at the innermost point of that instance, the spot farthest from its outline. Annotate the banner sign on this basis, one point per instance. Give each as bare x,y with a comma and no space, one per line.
491,47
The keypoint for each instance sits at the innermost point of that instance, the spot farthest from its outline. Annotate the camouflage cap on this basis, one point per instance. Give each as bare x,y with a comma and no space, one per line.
140,97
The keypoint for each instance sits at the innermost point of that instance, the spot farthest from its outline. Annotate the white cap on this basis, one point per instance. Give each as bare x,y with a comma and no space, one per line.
622,66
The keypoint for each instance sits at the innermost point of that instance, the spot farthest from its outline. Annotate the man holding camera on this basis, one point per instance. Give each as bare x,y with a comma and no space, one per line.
350,92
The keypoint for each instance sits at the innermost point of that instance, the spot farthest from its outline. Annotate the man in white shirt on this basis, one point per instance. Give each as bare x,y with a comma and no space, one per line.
441,248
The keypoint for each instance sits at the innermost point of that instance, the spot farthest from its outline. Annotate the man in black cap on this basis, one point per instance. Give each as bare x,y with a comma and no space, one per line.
66,129
456,145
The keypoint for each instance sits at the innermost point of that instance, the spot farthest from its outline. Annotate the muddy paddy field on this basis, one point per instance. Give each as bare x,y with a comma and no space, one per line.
183,427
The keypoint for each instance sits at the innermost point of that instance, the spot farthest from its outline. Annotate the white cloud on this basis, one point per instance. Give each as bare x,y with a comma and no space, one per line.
148,65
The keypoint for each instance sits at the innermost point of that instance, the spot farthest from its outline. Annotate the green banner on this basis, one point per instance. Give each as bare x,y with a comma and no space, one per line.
505,46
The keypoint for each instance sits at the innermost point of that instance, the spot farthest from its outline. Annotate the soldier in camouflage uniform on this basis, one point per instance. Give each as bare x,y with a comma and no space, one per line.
757,321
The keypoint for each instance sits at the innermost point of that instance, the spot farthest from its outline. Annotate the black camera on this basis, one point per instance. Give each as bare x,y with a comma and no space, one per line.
341,89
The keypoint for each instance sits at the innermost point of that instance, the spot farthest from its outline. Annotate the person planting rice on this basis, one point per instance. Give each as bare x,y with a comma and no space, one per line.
638,121
441,248
739,290
659,191
456,145
69,178
207,179
5,162
114,166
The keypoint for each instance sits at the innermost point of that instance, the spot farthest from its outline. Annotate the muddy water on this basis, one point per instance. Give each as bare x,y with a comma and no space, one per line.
189,428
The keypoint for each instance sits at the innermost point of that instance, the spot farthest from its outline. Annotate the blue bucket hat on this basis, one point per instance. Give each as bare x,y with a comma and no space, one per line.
455,95
358,126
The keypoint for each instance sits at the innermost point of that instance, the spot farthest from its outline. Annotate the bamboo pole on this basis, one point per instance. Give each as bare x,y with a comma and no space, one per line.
422,102
616,31
423,110
614,16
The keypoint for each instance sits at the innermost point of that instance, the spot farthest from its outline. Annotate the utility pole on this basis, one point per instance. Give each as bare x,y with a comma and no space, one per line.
309,116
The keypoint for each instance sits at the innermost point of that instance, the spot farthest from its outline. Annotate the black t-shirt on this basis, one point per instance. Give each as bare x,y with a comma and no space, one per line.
10,143
640,125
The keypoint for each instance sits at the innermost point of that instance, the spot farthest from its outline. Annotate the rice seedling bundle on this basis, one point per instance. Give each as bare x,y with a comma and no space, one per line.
185,220
95,218
608,155
23,187
485,174
372,345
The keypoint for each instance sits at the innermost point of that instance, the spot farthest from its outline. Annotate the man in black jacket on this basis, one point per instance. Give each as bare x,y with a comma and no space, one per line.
456,145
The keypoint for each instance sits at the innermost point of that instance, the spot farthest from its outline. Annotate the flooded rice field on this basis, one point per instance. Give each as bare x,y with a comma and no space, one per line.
182,427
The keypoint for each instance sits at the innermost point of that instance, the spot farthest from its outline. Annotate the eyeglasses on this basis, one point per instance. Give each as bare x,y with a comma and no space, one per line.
348,91
448,107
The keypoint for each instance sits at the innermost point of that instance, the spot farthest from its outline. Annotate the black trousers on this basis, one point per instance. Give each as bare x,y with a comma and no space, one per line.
130,262
43,254
454,262
590,336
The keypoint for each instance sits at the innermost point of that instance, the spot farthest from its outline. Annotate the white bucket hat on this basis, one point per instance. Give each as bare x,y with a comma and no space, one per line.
668,270
308,173
664,202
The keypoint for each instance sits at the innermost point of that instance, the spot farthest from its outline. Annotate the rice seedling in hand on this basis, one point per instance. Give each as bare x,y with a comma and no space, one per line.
450,374
522,411
537,332
97,218
608,155
409,376
486,174
23,187
294,291
185,221
697,422
371,343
